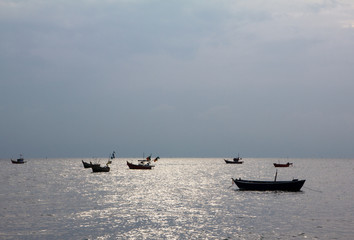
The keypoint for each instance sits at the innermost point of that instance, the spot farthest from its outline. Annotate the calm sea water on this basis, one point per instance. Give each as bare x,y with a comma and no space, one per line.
178,199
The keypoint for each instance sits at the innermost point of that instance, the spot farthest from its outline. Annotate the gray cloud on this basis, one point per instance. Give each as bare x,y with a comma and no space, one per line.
178,78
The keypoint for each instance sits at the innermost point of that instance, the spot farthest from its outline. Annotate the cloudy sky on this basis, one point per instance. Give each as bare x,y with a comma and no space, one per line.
177,78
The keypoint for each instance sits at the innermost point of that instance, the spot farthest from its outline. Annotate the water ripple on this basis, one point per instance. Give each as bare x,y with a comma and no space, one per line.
179,199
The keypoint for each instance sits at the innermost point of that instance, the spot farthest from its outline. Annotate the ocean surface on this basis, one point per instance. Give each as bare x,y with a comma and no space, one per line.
181,198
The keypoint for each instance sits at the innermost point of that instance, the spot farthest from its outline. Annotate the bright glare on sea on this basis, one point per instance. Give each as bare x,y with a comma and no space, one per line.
185,198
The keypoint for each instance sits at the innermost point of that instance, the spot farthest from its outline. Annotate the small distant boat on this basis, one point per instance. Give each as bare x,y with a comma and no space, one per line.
294,185
99,168
90,164
143,164
283,164
235,160
20,160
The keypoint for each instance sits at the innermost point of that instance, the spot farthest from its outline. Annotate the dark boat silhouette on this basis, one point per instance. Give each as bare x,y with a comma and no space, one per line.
282,164
99,168
235,160
20,160
141,165
293,185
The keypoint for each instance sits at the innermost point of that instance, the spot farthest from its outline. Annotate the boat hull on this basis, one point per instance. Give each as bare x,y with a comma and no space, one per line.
17,162
100,169
233,162
139,166
294,185
282,164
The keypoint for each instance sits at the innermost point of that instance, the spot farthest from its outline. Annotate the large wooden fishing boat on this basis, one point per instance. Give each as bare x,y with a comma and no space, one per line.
293,185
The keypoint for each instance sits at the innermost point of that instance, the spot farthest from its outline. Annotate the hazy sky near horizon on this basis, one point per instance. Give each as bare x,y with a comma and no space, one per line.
177,78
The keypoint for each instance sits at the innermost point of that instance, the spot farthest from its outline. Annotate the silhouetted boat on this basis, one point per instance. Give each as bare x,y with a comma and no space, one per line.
98,168
141,165
294,185
283,164
20,160
235,160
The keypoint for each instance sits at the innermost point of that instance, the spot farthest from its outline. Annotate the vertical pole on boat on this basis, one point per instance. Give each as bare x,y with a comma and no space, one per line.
276,174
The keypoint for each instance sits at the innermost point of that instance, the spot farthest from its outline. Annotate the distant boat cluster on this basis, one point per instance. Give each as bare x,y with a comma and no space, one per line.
144,164
147,164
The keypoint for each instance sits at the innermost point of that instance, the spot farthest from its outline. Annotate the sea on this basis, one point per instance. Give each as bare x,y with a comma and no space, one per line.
180,198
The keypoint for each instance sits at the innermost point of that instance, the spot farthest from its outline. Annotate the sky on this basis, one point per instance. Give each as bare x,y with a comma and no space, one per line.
177,78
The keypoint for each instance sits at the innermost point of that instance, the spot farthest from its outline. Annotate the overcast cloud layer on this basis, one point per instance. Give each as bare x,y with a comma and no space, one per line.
177,78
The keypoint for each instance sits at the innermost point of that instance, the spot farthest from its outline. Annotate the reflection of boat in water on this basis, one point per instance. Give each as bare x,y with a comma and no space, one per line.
143,164
20,160
282,164
99,168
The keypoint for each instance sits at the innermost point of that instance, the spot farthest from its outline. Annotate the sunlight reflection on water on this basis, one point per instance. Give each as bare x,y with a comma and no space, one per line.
179,199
